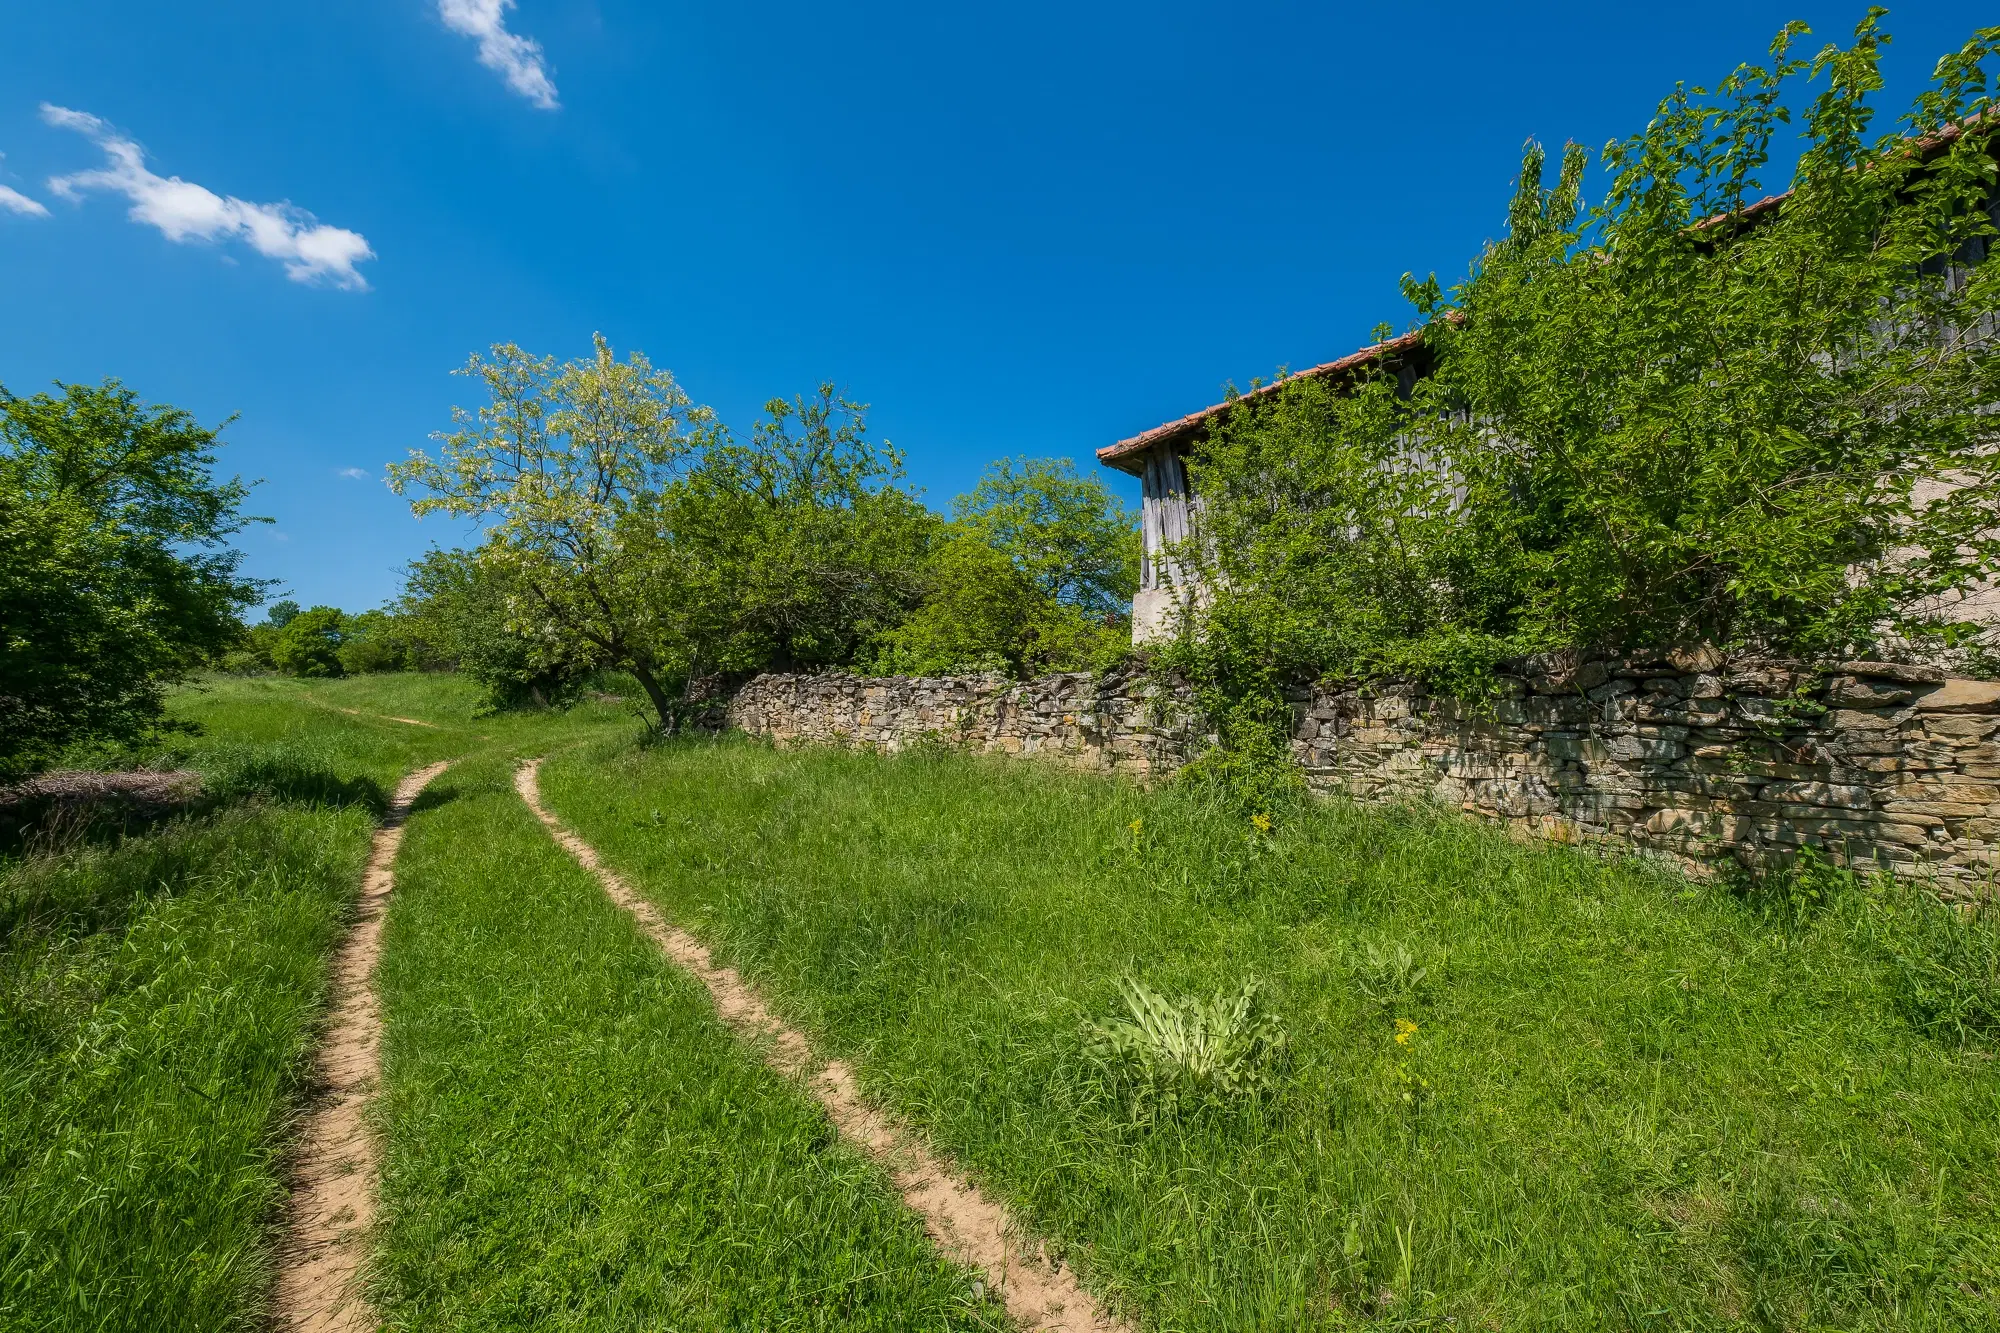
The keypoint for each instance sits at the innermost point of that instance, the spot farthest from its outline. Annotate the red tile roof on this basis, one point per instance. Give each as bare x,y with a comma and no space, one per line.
1124,454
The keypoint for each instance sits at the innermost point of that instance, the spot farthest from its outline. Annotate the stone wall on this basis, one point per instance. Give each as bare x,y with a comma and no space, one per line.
1117,723
1873,762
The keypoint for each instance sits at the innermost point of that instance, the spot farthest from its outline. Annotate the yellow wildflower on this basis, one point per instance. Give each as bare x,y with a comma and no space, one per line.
1405,1030
1262,823
1135,826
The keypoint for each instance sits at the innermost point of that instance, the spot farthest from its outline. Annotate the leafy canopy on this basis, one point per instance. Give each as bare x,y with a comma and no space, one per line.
1658,418
115,573
557,459
1068,534
310,643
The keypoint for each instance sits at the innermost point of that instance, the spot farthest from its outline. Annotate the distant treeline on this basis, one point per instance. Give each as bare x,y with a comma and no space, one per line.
801,550
626,530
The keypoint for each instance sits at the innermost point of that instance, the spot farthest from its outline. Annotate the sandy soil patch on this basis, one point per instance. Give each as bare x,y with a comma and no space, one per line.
318,1287
967,1225
385,717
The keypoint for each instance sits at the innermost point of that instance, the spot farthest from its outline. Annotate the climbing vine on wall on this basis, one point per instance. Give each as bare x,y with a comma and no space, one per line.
1682,413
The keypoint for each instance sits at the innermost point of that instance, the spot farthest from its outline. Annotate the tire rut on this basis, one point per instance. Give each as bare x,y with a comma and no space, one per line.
963,1221
325,1245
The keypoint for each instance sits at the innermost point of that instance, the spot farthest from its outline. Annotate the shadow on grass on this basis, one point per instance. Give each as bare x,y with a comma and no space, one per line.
291,780
75,811
439,793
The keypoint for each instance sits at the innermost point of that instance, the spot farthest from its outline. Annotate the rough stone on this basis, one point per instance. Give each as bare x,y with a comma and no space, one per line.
1913,785
1856,692
1915,675
1962,696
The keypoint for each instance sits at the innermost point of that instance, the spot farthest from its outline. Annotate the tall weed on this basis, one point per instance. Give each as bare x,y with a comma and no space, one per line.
1170,1054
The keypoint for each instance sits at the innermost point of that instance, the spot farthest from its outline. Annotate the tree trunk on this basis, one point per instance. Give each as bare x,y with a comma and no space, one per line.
661,704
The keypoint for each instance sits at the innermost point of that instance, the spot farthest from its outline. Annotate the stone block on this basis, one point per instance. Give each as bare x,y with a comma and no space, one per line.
1846,797
1915,675
1962,696
1704,687
1760,680
1853,719
1695,657
1940,809
1960,726
1857,692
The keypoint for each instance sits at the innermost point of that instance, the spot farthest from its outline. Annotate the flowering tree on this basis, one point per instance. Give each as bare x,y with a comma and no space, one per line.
558,460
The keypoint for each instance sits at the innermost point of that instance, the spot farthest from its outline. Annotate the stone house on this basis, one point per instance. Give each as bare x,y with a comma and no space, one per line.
1158,457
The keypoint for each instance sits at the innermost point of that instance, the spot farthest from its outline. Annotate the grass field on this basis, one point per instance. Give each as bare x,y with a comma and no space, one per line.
1524,1087
1627,1101
159,994
574,1139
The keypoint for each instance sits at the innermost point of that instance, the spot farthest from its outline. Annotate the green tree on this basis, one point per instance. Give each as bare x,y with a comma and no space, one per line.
1764,431
792,551
1667,417
455,609
115,573
310,643
1068,534
558,459
382,640
981,612
281,613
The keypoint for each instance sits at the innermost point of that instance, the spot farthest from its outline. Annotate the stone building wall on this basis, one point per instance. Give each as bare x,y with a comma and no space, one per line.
1871,762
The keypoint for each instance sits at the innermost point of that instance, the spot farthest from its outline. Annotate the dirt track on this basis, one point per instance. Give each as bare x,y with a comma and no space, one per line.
333,1191
967,1225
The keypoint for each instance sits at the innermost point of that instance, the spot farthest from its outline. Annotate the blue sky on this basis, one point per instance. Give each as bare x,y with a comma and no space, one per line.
1012,229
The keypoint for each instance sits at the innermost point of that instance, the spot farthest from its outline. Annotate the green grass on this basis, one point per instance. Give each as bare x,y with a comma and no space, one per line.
159,998
156,1005
1631,1102
574,1139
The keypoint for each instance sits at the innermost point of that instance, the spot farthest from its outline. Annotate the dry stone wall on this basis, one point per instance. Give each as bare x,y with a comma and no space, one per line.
1116,723
1872,762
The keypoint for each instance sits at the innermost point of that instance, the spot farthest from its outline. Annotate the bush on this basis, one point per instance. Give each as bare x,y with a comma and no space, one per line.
383,641
983,613
454,611
243,662
310,643
1170,1054
1650,421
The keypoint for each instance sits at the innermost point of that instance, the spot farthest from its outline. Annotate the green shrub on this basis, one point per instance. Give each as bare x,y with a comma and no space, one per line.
983,613
115,574
1388,974
1643,421
243,662
310,643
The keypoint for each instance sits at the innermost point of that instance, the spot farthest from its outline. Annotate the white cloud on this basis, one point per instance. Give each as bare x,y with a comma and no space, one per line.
183,211
514,58
13,201
354,474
